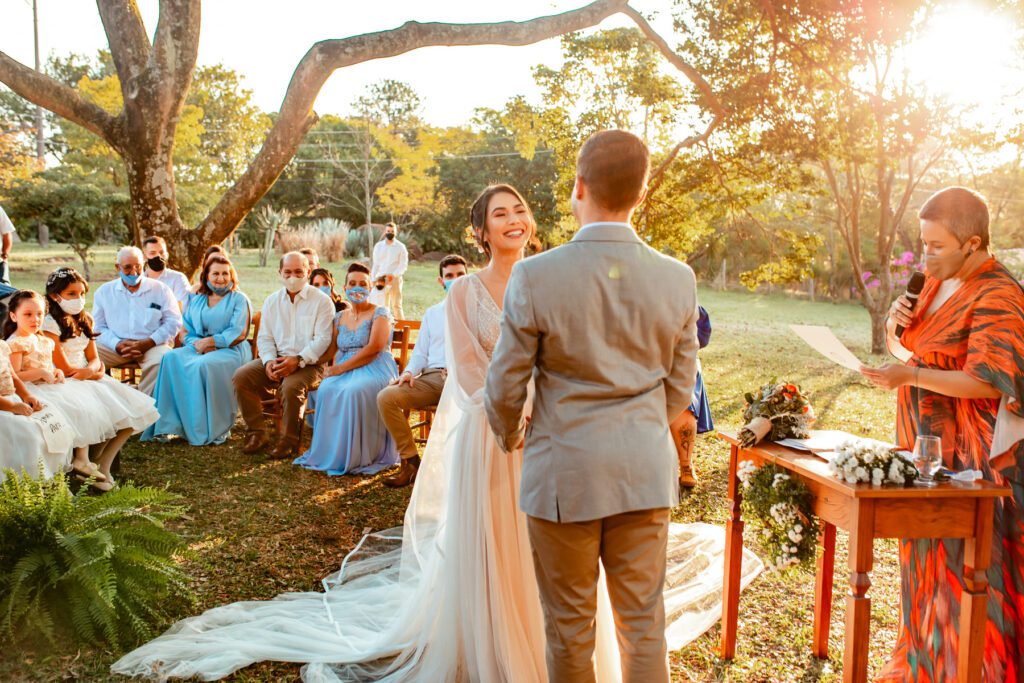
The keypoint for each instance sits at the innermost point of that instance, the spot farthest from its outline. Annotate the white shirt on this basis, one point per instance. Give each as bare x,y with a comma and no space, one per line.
175,280
6,226
429,349
150,312
295,328
389,259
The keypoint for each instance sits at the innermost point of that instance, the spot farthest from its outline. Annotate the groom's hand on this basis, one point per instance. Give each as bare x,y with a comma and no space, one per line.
522,440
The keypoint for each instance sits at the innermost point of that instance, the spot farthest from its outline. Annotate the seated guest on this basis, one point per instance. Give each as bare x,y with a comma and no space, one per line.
193,390
31,359
70,328
155,250
136,317
421,384
697,418
295,331
38,446
311,256
349,436
322,279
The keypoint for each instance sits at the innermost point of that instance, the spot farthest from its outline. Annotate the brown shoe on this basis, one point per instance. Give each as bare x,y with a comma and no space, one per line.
285,449
406,475
255,443
687,478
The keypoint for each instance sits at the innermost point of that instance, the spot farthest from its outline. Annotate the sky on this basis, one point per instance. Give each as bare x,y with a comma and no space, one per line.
265,39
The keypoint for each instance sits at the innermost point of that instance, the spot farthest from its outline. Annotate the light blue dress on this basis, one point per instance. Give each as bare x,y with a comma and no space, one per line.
194,393
348,435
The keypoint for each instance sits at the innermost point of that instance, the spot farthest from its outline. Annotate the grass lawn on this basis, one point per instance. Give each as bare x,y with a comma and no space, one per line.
258,527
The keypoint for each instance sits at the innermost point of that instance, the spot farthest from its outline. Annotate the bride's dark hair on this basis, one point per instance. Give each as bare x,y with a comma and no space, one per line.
478,216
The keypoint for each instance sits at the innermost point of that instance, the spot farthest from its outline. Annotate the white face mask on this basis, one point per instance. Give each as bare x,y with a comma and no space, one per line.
72,306
294,284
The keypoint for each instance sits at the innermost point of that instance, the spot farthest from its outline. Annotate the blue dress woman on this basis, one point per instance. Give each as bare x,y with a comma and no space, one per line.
194,393
349,436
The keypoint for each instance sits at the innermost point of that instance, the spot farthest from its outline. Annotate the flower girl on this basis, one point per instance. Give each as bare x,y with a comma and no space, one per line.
74,353
25,424
32,362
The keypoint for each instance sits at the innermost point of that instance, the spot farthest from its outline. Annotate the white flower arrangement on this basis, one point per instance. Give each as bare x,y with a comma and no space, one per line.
783,506
861,461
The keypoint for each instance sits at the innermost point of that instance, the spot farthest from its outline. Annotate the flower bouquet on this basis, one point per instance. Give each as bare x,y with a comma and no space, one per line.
778,411
862,461
783,505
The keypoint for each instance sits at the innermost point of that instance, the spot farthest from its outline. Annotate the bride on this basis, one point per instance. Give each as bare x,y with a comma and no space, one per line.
450,596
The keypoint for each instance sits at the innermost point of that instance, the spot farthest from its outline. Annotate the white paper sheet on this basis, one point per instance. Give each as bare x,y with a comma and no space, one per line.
825,342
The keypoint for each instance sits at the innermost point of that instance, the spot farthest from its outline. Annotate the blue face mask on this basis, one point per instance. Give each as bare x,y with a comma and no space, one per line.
219,291
448,284
326,289
357,295
131,280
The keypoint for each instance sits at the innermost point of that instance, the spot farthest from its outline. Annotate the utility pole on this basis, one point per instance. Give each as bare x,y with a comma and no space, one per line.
40,137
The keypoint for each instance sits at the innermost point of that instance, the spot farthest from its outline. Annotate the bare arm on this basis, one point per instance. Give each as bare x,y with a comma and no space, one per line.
953,383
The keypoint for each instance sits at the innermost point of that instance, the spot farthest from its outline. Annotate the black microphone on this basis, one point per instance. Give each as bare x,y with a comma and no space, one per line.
914,288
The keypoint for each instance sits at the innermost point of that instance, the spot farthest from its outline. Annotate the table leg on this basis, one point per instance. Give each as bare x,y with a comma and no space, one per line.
973,600
858,604
824,570
733,561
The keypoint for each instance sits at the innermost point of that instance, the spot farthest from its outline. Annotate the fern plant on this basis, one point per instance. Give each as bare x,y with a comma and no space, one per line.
96,569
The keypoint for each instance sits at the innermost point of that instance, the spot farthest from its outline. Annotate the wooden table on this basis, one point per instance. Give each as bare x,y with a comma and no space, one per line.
948,510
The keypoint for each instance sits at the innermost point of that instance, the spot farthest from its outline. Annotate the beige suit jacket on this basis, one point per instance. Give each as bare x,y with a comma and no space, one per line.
607,327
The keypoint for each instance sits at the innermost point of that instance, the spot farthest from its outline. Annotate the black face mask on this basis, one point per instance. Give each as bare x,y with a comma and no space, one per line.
389,235
380,286
156,263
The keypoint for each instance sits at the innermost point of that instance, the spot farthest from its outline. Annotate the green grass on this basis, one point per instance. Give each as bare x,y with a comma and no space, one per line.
258,527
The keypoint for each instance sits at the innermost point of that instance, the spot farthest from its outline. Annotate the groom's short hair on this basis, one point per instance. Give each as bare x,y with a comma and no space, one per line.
614,165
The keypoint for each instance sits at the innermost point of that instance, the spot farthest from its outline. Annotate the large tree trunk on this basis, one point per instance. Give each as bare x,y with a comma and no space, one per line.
878,329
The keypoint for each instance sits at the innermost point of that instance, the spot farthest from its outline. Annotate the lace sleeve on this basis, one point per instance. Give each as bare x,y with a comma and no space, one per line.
466,358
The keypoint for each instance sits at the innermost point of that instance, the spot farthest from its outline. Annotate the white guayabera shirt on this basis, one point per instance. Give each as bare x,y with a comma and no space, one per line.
389,259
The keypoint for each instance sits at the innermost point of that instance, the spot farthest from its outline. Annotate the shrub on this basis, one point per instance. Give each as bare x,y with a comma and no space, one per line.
93,569
356,245
327,235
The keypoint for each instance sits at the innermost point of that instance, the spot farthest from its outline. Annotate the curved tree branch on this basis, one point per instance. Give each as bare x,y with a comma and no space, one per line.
62,100
175,50
677,61
296,115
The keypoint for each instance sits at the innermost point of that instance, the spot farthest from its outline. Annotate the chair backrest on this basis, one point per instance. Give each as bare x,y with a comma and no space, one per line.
402,343
255,332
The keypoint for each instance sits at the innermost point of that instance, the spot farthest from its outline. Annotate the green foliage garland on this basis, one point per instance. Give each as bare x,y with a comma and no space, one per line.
94,569
782,505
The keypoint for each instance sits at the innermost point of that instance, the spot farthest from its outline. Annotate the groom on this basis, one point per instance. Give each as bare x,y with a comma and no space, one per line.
607,328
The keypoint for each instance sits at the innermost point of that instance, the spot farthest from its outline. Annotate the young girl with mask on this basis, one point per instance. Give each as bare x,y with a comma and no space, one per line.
193,391
322,279
349,436
31,360
74,354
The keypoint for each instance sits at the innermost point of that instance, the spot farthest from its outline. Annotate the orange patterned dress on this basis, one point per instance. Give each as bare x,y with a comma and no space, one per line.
980,331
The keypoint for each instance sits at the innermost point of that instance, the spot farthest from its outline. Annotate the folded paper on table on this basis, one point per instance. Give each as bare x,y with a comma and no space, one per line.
825,342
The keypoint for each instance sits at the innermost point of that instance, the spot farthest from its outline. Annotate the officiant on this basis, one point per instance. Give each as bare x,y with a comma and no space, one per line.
961,378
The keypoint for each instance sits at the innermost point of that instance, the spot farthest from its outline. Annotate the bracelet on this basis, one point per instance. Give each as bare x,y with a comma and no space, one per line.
917,376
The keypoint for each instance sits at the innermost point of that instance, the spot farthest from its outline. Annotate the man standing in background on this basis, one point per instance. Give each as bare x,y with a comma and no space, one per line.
6,240
391,259
155,250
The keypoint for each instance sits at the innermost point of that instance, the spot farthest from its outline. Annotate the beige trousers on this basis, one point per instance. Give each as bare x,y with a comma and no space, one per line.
631,546
150,364
393,298
252,386
394,400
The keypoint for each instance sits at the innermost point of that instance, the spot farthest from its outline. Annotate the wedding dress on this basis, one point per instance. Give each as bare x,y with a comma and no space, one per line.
451,595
